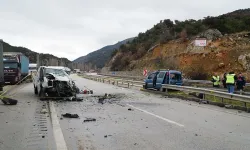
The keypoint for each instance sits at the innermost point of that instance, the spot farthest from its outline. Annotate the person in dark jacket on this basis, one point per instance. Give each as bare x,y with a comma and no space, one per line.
241,82
231,78
224,80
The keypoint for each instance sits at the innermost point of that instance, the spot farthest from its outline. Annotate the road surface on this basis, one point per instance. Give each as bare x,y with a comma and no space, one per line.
132,120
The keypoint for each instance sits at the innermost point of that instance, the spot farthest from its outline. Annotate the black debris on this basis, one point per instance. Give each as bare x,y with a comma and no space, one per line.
196,134
146,127
89,120
109,135
101,100
228,106
130,109
203,102
205,120
105,136
6,122
43,136
135,143
61,118
28,102
230,132
68,115
239,111
9,101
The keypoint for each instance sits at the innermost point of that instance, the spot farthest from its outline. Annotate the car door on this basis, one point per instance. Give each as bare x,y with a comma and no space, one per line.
159,80
149,80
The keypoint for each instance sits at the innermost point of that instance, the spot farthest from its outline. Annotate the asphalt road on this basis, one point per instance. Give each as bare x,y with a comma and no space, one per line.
23,126
155,122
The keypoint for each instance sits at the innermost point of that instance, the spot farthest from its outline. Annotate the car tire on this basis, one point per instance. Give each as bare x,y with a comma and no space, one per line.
146,86
35,90
41,94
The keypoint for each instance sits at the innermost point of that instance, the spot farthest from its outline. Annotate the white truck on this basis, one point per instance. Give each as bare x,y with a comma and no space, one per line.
51,81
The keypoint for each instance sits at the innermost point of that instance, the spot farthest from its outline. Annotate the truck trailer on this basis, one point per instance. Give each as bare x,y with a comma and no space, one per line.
16,67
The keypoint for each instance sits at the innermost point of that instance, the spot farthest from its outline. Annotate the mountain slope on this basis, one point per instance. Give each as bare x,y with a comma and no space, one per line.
182,31
99,57
32,55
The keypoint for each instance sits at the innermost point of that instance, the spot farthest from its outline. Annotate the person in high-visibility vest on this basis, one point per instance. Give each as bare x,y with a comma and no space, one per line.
216,80
230,81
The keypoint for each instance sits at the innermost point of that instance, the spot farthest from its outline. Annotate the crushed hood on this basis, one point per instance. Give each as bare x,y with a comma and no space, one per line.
60,78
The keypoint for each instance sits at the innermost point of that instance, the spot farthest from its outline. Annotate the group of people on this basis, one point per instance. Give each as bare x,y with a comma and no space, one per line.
229,81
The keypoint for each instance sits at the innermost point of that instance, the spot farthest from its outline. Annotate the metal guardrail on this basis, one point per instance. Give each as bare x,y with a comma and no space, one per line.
220,94
184,80
165,87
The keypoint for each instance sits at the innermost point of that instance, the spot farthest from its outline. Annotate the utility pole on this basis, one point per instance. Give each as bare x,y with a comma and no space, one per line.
1,66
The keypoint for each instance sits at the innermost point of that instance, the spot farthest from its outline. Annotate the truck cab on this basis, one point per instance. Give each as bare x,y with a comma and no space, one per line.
156,79
15,67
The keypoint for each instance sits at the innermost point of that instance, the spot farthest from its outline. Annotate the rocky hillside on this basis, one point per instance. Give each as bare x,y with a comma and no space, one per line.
51,59
99,57
170,44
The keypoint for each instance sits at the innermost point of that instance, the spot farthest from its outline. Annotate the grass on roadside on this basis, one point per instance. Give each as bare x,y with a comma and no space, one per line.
212,99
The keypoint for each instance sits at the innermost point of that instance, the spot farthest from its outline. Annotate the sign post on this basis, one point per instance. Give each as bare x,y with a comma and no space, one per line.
1,66
145,72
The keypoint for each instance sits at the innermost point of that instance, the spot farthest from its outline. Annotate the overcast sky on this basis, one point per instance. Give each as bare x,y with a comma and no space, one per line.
73,28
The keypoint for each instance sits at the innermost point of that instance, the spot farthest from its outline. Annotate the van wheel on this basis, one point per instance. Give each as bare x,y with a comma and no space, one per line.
35,90
146,86
41,94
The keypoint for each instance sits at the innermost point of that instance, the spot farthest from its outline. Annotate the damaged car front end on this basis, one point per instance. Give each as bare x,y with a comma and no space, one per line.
54,82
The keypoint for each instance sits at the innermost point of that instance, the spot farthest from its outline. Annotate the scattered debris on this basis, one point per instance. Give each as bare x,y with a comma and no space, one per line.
196,134
105,136
6,122
135,144
61,118
228,106
68,115
130,109
89,120
109,135
239,111
203,102
43,136
43,111
230,132
9,101
205,120
146,127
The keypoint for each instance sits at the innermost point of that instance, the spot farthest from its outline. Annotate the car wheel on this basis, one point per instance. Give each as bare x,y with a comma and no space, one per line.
35,90
41,93
146,86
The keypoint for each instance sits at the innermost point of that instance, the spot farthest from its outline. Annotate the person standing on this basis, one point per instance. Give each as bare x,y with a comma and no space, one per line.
230,81
241,82
224,80
216,81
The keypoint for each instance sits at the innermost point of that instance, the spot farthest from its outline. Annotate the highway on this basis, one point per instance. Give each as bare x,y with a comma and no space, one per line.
131,120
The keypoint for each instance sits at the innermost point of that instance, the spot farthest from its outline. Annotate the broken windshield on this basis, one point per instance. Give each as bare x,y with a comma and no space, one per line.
58,72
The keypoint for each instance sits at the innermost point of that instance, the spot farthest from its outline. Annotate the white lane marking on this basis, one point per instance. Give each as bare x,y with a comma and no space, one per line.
59,139
167,120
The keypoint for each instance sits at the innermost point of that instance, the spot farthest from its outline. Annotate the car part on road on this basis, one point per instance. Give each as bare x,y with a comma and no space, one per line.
9,101
89,120
68,115
130,109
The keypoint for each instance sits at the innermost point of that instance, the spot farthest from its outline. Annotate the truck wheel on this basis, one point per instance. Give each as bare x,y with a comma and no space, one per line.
35,90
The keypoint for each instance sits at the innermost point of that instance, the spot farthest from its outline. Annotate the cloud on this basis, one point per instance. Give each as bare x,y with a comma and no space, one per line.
74,28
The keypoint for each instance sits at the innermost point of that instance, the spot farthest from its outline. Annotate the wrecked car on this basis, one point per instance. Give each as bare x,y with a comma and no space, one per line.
54,82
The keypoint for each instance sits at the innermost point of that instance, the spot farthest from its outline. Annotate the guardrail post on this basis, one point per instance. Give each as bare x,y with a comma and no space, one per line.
222,100
245,104
103,80
128,85
204,96
109,81
117,83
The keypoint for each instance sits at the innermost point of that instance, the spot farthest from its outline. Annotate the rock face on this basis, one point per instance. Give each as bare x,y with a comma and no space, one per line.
211,34
244,60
